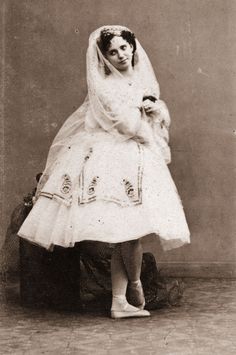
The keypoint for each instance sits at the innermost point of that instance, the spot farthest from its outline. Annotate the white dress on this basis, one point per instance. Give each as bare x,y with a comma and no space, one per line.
108,190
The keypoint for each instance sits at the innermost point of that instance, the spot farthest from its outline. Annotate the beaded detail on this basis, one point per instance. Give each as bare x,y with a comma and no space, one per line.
92,185
88,155
66,185
129,189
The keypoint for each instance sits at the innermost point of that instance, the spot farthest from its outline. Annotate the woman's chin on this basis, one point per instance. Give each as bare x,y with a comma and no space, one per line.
124,67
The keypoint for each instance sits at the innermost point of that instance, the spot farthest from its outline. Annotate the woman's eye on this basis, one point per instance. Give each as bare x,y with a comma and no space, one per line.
112,53
123,47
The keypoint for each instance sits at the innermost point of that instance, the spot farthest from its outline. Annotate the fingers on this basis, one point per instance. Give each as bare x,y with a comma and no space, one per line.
147,104
150,106
148,109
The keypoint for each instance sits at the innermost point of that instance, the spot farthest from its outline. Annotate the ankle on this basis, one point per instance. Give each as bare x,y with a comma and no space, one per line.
135,283
121,305
119,298
118,301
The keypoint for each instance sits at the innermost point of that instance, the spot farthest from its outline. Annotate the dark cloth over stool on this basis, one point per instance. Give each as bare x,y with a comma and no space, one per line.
96,278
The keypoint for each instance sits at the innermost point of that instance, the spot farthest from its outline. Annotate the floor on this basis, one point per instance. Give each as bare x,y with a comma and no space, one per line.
205,323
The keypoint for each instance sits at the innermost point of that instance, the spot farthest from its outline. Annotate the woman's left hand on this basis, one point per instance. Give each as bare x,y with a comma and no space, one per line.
157,111
151,107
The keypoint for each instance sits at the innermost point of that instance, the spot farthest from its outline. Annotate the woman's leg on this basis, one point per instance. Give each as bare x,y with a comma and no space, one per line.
119,277
132,254
120,307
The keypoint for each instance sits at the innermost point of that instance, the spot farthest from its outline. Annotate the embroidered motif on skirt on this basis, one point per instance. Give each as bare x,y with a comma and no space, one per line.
92,185
88,155
64,195
127,190
66,184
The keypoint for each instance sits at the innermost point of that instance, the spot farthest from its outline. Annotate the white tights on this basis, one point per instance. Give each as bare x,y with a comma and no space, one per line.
126,265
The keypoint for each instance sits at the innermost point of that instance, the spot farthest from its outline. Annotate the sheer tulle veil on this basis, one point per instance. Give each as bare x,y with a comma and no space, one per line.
94,111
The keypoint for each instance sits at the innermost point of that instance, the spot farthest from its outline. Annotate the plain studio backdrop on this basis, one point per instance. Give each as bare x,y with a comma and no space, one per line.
191,44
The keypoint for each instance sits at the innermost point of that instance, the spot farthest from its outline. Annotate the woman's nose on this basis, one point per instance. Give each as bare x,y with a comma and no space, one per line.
120,54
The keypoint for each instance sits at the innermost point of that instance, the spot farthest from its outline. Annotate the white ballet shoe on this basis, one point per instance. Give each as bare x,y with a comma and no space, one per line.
130,314
128,311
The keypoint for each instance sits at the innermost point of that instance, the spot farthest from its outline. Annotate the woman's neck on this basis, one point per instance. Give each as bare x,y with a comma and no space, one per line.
129,73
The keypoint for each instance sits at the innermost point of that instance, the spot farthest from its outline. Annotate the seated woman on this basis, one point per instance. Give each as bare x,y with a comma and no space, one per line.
106,177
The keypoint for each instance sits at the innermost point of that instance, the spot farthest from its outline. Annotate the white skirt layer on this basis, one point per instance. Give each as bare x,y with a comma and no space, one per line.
52,222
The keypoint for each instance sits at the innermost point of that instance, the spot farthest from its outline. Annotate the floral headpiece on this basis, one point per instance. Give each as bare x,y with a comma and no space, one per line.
116,31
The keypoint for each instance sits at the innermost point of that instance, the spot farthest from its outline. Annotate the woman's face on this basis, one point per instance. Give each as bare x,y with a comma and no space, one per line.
120,53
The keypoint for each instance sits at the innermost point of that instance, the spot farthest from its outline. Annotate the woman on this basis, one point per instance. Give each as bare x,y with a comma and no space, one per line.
106,177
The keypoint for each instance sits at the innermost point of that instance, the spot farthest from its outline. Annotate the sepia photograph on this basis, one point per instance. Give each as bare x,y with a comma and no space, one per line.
118,170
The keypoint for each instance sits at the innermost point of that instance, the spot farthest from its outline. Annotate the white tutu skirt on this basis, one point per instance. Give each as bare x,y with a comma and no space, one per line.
107,191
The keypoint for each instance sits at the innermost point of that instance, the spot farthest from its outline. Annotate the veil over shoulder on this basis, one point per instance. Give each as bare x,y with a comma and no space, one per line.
102,182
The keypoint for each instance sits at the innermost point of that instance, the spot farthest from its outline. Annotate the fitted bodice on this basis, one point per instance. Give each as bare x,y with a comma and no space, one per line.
120,98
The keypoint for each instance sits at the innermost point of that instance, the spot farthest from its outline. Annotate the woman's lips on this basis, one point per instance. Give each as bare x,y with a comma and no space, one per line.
123,61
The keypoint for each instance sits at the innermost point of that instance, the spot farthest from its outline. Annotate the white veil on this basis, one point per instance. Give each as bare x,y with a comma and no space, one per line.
94,113
97,67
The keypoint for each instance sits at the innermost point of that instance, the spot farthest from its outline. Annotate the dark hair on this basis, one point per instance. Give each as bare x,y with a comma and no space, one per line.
104,41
